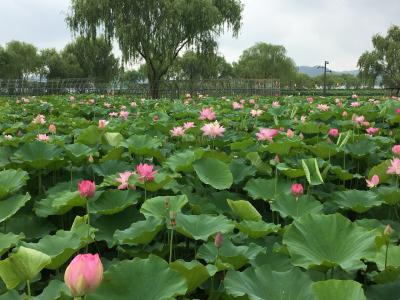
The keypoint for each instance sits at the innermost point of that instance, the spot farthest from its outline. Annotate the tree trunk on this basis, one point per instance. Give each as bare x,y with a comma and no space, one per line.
154,88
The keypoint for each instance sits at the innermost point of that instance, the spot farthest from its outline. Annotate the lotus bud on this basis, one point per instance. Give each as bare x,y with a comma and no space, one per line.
172,218
297,189
52,128
90,159
388,230
86,188
84,274
219,239
166,203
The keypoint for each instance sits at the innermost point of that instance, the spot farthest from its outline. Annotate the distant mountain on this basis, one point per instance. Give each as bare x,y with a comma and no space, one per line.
314,71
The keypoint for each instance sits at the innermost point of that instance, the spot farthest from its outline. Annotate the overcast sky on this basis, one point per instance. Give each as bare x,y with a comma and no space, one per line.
311,30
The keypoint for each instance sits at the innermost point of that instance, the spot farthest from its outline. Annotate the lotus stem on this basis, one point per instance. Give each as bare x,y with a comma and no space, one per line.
171,244
28,285
386,253
145,191
88,223
40,182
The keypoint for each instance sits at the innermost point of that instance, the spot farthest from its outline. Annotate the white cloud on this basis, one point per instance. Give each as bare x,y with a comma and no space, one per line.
310,30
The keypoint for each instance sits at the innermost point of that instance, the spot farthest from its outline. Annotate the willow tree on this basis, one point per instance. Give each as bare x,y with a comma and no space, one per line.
156,30
384,60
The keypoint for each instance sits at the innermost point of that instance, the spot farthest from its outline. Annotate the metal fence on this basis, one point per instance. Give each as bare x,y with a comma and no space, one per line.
171,88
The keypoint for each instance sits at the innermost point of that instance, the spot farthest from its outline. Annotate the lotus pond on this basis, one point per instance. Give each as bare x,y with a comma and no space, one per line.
204,198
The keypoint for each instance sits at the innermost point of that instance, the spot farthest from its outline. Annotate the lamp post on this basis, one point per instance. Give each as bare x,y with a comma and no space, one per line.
325,70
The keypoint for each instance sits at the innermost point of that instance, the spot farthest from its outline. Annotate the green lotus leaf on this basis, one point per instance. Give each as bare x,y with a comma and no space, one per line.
338,289
282,147
5,154
341,173
242,145
160,206
194,272
29,224
264,284
112,167
213,172
11,205
361,148
61,246
8,241
311,169
389,194
288,206
201,227
140,279
113,139
144,145
58,203
161,179
113,201
56,290
324,150
356,200
229,256
256,161
244,210
22,265
11,295
310,241
106,225
388,291
380,170
257,229
309,128
276,261
78,152
393,257
37,155
264,189
90,136
240,170
290,172
11,181
182,161
141,232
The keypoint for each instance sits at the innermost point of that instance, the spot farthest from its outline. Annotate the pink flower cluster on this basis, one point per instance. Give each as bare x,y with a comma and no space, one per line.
213,129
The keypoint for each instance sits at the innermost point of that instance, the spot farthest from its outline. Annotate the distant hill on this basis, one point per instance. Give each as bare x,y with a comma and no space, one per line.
314,71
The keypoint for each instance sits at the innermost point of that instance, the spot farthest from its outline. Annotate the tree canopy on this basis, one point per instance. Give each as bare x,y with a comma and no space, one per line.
384,59
156,30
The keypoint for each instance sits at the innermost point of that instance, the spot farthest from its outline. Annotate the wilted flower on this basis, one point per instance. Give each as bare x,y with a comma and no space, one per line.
373,182
213,129
394,167
86,188
256,112
84,274
8,136
102,124
252,101
113,114
219,240
303,119
39,119
133,104
266,134
276,104
290,133
106,104
52,128
155,118
146,172
207,114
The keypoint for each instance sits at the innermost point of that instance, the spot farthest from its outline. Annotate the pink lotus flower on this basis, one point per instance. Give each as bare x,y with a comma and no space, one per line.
297,189
133,104
177,131
84,274
237,105
355,104
145,172
398,111
86,188
39,119
372,130
102,124
276,104
290,133
373,182
323,107
242,101
394,168
213,130
188,125
52,128
113,114
42,137
256,112
354,96
396,149
123,114
358,119
207,114
266,134
123,180
333,132
252,101
310,99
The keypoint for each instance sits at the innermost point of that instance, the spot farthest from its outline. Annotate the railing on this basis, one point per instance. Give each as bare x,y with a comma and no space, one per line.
171,88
